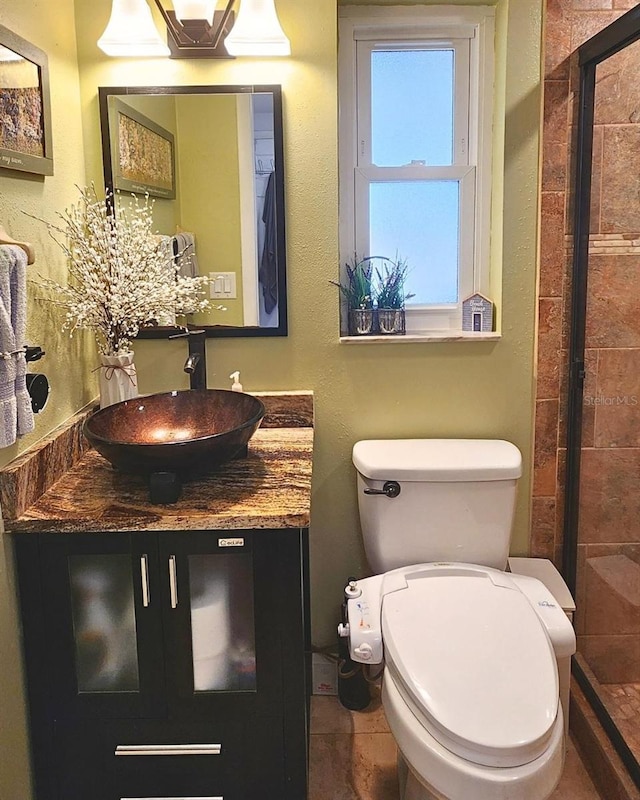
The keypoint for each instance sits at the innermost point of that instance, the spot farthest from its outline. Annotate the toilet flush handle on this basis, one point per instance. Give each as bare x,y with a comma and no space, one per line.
390,489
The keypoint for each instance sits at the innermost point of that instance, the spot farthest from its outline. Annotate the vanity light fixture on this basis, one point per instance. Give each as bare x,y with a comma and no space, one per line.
257,31
196,29
131,31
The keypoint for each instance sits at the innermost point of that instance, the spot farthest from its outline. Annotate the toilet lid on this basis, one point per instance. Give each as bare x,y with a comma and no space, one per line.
474,663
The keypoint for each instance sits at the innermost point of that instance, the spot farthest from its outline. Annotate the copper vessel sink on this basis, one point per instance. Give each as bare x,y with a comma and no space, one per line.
178,432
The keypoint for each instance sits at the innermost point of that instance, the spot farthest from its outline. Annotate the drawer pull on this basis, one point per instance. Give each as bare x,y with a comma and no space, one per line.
144,576
168,750
217,797
173,581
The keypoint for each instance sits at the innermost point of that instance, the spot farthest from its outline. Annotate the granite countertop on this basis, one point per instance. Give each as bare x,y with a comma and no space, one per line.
61,485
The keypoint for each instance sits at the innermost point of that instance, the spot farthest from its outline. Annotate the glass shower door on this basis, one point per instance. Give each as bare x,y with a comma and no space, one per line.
602,532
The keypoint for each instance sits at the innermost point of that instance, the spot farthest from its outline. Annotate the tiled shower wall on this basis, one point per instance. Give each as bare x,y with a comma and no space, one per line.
568,24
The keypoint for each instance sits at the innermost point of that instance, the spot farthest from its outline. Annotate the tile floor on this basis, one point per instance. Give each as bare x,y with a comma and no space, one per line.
623,701
353,757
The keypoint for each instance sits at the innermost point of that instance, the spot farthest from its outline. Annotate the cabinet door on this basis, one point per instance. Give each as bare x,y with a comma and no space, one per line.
103,623
221,624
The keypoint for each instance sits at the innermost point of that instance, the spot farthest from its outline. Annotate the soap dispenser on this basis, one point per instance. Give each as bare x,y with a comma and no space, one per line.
236,386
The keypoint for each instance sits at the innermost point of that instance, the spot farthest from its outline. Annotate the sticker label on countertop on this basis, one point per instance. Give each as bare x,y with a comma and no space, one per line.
235,542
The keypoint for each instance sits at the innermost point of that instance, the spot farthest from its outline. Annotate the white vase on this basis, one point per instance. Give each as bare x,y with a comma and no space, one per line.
118,379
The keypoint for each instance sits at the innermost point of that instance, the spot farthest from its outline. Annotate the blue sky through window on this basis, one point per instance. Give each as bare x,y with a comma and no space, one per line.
418,220
412,107
412,120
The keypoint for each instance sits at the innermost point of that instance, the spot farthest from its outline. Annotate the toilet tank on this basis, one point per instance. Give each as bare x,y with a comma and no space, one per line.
456,502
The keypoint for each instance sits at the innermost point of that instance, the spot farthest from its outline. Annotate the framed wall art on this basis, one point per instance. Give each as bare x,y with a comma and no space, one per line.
142,152
25,106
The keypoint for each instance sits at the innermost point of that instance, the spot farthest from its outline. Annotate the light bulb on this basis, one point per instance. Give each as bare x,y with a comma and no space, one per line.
257,31
131,31
194,9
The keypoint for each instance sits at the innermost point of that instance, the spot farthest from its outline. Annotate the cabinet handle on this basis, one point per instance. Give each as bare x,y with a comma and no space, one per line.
173,582
168,750
144,577
217,797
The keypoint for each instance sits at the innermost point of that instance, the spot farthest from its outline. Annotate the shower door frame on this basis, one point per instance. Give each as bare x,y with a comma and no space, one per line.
611,40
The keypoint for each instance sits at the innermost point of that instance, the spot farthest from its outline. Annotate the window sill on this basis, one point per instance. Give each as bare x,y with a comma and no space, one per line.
427,336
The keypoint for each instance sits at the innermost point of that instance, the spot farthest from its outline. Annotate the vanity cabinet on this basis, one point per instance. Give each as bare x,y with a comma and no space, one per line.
167,664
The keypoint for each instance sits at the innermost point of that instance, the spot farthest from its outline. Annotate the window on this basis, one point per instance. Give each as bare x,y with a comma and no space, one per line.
416,87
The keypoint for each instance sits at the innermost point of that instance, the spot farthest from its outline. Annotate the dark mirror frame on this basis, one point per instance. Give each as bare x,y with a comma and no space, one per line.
215,331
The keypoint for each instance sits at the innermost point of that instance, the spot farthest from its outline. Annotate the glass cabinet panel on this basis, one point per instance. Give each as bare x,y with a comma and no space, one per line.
104,623
222,622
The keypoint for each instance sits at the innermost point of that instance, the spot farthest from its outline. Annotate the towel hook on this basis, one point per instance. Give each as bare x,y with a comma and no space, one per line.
28,249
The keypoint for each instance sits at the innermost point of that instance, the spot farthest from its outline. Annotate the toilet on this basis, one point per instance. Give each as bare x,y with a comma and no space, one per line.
473,656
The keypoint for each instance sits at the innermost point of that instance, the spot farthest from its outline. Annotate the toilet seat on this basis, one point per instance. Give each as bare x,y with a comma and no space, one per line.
446,775
473,662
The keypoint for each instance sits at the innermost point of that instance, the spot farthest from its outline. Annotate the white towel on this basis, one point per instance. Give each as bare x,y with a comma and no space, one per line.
184,250
165,252
16,416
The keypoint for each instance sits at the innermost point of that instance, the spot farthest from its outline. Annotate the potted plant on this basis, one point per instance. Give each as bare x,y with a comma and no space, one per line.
121,278
390,295
358,293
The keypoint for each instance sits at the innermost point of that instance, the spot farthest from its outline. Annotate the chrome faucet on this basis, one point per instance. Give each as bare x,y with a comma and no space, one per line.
196,364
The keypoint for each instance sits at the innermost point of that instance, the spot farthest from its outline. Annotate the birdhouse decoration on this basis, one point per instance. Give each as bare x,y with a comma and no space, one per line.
477,314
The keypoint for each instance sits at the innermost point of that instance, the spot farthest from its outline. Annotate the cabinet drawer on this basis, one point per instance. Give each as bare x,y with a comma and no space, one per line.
162,759
249,763
149,759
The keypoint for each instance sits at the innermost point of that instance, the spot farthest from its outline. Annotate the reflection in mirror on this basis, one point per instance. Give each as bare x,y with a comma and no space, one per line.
25,107
211,157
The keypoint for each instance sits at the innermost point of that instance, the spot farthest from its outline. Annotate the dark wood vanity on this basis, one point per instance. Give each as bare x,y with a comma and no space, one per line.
166,648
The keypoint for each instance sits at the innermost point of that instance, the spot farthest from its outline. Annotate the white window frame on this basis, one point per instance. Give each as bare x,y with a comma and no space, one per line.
469,30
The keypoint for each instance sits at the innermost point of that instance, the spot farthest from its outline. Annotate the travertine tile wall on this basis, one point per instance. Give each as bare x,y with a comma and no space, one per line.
609,549
568,24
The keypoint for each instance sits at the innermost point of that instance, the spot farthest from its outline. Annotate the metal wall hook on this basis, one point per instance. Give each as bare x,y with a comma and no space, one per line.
34,353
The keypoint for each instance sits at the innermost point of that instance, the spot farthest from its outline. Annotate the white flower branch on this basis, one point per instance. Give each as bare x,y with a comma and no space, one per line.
121,276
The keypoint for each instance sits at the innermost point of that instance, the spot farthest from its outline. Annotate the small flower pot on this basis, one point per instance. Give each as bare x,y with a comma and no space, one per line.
360,321
391,321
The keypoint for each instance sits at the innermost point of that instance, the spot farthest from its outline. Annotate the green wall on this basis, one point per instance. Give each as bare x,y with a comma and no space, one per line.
208,155
67,362
374,390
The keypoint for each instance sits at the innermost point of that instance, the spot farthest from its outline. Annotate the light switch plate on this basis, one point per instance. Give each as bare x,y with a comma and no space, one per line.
222,286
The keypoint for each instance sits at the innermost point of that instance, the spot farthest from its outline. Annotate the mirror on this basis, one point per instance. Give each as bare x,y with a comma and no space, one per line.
211,157
25,106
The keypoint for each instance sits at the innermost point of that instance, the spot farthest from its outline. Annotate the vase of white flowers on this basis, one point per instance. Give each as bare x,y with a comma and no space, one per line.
118,378
121,279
